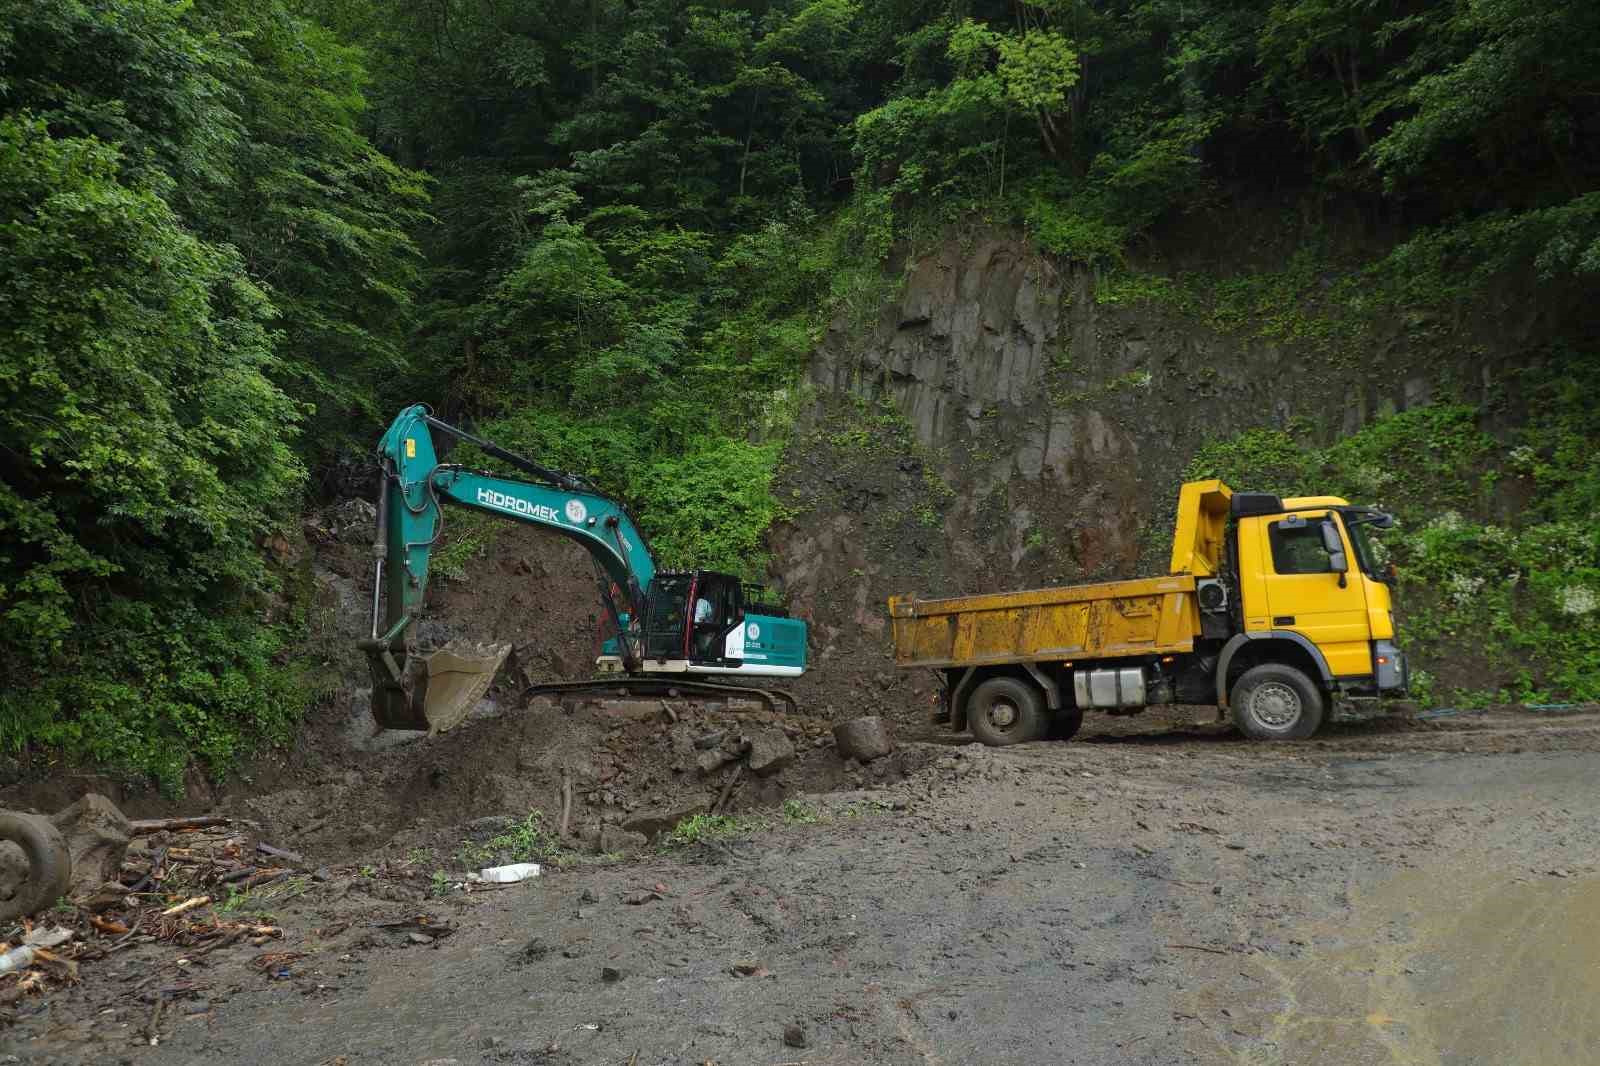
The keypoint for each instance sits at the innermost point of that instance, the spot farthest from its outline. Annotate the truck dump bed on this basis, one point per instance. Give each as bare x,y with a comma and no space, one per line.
1145,616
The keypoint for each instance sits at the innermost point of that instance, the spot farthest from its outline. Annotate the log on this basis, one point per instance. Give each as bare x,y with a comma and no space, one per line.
143,826
280,853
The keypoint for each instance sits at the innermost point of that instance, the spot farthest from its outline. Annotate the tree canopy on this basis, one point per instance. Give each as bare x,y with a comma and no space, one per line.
237,235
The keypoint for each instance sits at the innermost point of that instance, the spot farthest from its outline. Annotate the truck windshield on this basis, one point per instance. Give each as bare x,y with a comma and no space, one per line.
1356,524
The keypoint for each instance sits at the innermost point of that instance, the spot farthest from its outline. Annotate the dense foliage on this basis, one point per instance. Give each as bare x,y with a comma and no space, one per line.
237,235
201,261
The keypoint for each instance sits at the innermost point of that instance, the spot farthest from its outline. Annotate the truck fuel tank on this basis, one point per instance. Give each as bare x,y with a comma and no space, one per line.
1110,687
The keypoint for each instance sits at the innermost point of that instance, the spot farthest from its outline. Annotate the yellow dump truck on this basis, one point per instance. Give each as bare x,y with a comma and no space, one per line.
1274,609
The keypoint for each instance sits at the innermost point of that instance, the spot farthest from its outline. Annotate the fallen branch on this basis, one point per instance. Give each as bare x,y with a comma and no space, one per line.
311,827
233,937
151,1032
186,906
1202,947
566,802
727,790
128,938
156,873
262,879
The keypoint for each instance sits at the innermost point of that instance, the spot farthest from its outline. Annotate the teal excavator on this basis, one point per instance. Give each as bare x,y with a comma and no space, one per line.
690,633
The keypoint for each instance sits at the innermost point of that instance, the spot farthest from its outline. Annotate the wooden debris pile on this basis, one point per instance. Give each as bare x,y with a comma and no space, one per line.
200,884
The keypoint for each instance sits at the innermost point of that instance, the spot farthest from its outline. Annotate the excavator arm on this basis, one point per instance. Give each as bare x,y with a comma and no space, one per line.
410,691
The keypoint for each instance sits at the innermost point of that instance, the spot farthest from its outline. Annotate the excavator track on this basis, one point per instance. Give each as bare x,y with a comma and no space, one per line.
776,700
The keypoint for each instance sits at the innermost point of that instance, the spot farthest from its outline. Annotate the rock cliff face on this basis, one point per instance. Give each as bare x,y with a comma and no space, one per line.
1003,425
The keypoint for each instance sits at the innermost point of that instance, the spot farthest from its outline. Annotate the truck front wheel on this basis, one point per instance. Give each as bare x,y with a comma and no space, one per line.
1276,702
1004,710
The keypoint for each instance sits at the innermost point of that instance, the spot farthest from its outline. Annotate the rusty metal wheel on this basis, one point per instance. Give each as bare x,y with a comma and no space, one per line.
49,864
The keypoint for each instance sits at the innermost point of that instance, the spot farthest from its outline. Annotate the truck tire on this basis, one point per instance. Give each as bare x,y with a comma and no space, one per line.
1065,723
1005,710
1276,702
49,864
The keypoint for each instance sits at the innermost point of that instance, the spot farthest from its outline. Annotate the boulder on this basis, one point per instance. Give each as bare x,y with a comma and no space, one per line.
353,521
97,835
863,738
770,751
709,740
709,762
658,820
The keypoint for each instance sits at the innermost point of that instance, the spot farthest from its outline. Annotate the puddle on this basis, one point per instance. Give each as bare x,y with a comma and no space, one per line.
1438,968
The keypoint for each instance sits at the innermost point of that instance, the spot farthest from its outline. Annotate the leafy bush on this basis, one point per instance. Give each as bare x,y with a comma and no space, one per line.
147,454
528,840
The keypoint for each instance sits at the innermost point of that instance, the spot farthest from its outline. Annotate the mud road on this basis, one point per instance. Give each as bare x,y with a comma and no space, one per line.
1427,894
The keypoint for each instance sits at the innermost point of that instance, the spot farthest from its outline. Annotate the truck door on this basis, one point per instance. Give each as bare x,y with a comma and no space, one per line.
1310,590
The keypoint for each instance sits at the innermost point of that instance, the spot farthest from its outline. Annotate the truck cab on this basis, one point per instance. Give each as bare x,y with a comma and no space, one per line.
1278,611
1313,597
1307,573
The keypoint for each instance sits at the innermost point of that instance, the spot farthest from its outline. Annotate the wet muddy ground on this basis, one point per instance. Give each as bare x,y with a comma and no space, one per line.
1419,893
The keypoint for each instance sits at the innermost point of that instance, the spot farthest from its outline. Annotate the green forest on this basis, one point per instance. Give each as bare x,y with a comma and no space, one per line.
236,237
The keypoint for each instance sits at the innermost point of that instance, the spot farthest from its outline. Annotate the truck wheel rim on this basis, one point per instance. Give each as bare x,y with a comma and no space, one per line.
1002,715
1275,705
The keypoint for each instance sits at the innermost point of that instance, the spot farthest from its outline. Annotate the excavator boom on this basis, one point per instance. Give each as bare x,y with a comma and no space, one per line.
435,692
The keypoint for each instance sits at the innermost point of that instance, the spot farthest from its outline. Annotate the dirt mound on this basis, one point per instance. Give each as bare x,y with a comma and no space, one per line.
625,759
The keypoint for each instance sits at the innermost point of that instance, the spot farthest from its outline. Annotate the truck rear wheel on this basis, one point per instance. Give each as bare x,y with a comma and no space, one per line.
1065,723
1276,702
1004,710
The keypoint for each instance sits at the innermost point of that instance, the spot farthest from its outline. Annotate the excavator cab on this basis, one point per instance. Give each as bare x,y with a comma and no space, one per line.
690,617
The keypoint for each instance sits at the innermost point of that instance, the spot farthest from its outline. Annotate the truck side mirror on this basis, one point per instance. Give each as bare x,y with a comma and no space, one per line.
1335,548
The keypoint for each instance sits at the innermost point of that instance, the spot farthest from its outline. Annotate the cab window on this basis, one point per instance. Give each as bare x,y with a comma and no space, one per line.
1298,549
668,611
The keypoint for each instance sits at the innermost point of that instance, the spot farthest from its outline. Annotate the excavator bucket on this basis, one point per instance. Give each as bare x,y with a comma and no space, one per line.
438,690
